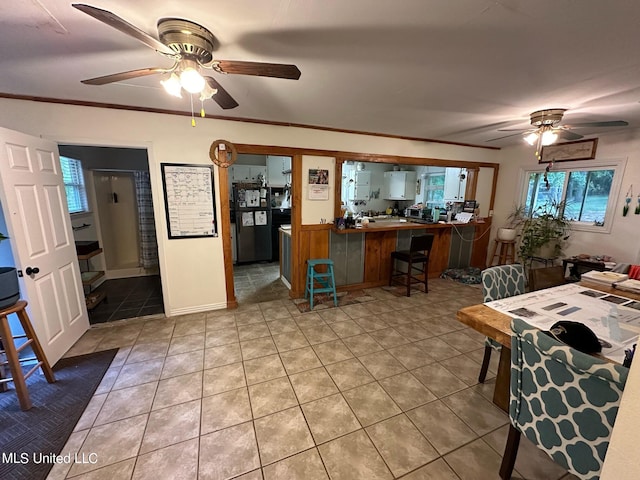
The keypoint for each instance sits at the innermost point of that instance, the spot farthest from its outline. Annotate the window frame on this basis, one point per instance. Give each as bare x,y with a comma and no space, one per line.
618,165
81,188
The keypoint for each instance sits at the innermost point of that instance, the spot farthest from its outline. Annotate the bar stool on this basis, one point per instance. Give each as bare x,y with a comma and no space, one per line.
325,279
418,253
504,250
18,377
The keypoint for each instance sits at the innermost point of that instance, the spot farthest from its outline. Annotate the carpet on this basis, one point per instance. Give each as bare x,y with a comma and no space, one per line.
57,407
325,300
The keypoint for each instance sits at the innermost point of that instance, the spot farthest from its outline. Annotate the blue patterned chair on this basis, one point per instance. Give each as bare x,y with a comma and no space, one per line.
499,282
563,400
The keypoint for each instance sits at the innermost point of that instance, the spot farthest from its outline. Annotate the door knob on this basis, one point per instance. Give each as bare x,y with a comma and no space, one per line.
32,271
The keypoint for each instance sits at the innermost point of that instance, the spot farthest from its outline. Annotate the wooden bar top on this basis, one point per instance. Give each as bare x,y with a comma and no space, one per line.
497,325
388,225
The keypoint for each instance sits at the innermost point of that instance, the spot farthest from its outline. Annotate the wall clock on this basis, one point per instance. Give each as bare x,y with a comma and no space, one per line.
223,153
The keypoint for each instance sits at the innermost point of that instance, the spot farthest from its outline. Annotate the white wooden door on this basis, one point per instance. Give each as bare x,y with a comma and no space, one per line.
35,206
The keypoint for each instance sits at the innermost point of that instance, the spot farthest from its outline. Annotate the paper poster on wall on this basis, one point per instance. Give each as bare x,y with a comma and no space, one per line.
189,200
318,177
318,192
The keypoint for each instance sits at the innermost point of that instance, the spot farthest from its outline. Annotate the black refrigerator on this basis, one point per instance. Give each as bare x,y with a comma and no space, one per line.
253,223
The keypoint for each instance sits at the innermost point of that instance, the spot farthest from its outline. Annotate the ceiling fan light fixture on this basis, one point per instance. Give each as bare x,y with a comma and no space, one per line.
172,85
191,80
531,138
548,137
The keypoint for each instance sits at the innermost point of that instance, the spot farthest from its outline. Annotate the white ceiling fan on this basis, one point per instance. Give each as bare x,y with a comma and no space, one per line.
547,129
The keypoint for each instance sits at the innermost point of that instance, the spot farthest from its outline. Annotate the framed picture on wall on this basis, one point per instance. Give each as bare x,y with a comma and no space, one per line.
318,177
569,151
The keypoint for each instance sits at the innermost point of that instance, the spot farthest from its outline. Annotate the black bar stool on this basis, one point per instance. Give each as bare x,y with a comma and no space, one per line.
418,253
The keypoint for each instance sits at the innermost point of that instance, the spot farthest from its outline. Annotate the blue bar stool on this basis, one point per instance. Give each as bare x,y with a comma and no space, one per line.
325,280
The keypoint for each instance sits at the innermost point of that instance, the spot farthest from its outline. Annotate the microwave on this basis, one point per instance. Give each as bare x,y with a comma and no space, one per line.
413,213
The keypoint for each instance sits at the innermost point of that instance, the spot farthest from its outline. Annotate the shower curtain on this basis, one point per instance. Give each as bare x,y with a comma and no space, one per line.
146,222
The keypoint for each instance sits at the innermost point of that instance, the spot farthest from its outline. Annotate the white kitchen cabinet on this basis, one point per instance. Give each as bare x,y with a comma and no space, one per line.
399,185
247,173
276,165
454,184
361,186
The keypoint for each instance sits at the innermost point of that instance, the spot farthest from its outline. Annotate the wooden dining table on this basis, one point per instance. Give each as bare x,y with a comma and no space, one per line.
497,325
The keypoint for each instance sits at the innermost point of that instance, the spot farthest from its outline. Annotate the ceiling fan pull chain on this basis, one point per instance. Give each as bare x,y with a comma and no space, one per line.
193,118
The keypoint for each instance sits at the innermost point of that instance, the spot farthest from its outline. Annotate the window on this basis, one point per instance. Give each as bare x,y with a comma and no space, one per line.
74,185
434,189
587,194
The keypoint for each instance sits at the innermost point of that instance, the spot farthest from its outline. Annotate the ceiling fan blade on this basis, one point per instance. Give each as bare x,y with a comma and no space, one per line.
118,77
118,23
276,70
568,135
512,129
506,136
222,98
611,123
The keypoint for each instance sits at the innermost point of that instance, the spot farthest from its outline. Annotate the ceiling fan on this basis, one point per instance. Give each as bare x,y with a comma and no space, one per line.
191,47
547,129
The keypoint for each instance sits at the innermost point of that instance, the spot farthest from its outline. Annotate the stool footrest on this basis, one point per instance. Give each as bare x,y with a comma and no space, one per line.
24,345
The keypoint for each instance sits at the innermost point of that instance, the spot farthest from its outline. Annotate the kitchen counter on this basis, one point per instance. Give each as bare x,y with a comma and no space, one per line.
388,225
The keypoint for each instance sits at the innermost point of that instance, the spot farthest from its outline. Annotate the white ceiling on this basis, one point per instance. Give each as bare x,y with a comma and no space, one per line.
439,69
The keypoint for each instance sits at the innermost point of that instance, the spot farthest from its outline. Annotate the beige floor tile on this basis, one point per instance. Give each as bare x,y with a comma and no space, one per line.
464,367
475,460
362,344
353,457
72,446
188,343
120,357
309,320
319,334
438,348
119,404
303,466
476,411
371,324
411,356
283,325
189,327
332,352
223,336
462,342
275,313
175,390
138,373
381,364
312,384
347,328
255,475
249,317
182,364
290,340
333,315
148,351
271,396
371,403
413,332
222,355
164,460
329,417
122,469
436,470
258,347
349,374
228,453
300,360
113,443
263,369
388,338
442,428
357,310
171,425
223,379
407,391
110,377
439,380
249,332
91,412
282,434
155,333
401,445
225,410
220,321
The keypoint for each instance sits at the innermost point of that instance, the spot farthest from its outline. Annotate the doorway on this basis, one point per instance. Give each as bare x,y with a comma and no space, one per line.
121,220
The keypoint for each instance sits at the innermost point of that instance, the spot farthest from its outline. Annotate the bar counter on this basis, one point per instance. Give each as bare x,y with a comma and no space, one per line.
387,225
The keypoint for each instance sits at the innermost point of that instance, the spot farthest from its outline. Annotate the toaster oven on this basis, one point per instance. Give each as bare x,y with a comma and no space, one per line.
414,213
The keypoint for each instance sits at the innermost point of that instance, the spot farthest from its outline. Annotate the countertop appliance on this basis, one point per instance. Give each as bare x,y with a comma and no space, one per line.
253,222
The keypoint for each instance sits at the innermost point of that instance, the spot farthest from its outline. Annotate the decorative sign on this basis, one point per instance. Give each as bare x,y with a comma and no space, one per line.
223,153
189,200
565,152
318,177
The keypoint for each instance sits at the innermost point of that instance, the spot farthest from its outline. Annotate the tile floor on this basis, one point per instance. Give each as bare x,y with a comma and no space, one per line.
379,390
128,298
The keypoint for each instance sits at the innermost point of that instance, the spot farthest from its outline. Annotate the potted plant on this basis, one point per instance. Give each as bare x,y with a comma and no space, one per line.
9,286
515,220
545,231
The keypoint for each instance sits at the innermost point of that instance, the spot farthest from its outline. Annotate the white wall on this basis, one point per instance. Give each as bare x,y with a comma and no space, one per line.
193,269
315,210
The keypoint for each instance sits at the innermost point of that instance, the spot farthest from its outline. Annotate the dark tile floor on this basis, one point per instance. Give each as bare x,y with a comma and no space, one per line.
128,298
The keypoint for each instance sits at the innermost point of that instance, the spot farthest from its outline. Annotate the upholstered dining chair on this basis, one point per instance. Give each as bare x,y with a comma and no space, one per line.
563,400
499,282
